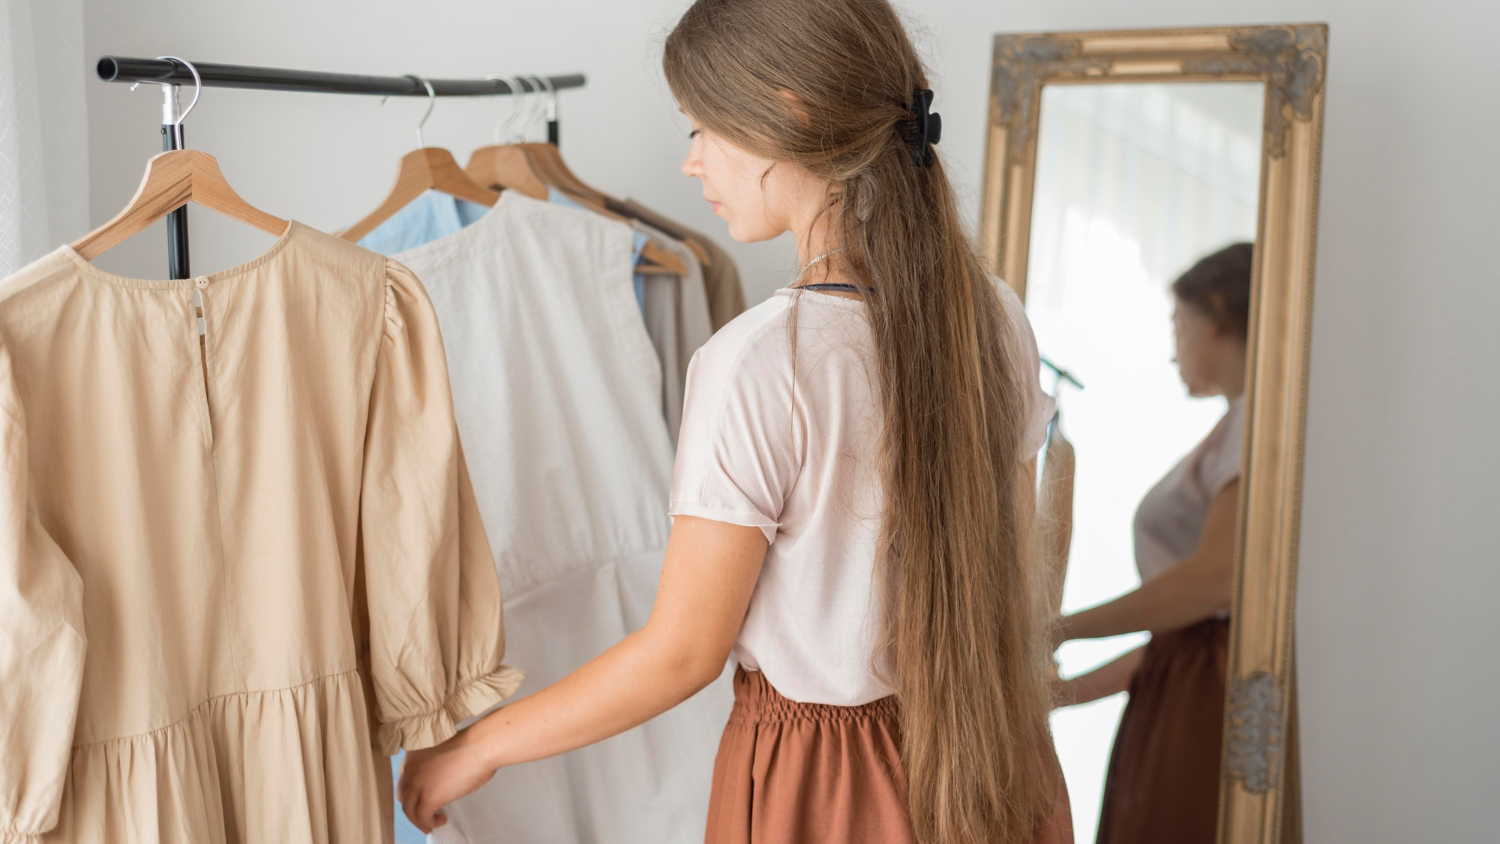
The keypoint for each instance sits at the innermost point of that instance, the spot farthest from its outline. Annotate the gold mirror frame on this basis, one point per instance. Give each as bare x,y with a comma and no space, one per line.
1258,782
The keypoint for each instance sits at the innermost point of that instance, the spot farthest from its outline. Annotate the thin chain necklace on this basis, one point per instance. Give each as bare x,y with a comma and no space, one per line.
809,266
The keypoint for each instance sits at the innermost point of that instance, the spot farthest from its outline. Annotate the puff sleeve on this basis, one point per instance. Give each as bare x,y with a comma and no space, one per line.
436,628
42,643
741,445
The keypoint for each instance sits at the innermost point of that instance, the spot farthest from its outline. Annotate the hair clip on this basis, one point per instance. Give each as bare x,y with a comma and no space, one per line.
925,127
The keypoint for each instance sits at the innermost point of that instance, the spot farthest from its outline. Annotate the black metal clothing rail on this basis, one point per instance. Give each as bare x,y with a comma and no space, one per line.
167,72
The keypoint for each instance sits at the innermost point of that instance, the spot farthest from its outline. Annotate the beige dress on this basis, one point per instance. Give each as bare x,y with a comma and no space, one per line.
190,535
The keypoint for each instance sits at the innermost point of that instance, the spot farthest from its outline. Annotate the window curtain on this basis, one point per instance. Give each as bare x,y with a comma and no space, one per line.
43,129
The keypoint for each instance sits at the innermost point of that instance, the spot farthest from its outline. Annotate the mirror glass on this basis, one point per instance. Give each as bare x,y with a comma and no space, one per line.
1135,182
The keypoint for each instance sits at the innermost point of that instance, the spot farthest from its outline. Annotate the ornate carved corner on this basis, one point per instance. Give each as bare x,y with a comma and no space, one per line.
1255,747
1290,60
1021,63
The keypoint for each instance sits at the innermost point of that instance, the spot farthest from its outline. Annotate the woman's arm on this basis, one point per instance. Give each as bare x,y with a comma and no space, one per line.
706,582
1111,678
1189,592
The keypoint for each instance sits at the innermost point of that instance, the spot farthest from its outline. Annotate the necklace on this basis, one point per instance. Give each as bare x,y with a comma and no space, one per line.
814,261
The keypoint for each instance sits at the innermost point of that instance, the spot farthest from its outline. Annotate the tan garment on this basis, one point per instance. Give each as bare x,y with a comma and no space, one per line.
182,534
807,773
726,296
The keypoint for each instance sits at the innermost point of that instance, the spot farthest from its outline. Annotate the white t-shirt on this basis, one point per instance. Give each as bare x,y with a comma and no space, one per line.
1169,522
803,466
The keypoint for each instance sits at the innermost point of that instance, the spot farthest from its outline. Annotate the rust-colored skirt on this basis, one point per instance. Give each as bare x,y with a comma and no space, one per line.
1163,783
803,773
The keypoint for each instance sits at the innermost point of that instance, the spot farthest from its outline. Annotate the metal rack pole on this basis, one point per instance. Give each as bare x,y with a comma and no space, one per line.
171,74
177,222
166,72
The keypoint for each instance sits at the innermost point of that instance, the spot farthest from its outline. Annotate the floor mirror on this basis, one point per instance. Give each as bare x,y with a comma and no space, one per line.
1118,163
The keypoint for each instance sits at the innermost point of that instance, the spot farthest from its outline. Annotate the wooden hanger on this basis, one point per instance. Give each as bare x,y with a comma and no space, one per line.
506,167
549,161
428,168
423,169
540,166
172,180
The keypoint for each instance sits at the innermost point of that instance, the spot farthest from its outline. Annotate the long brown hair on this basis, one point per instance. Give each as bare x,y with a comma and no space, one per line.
956,570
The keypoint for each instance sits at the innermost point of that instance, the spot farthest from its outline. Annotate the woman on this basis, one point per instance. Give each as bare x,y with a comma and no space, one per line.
853,488
1163,780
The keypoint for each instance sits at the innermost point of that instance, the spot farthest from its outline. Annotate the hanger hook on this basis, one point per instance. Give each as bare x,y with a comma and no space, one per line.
197,89
551,97
517,92
529,104
431,104
542,106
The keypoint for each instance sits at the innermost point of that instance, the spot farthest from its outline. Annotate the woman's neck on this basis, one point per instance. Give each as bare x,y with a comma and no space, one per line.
820,257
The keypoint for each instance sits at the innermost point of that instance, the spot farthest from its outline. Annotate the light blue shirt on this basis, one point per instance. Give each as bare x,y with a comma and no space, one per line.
425,219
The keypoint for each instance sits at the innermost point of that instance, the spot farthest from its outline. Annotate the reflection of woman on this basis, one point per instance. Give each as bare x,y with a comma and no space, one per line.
853,481
1164,771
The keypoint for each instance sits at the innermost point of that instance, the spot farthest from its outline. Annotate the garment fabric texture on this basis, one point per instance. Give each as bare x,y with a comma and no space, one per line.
799,773
1169,520
721,278
678,322
791,447
675,309
637,247
557,395
194,534
1163,782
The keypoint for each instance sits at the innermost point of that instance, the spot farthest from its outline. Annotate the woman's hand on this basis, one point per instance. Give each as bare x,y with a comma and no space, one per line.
706,582
433,778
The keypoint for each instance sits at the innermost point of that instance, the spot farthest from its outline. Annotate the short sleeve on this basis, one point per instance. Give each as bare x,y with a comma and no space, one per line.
436,627
1039,405
1223,454
42,643
737,453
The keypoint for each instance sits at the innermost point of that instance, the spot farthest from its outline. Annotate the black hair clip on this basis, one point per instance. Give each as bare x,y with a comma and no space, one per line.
925,127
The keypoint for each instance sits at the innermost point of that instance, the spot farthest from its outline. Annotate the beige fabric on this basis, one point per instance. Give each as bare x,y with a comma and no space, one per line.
180,538
721,280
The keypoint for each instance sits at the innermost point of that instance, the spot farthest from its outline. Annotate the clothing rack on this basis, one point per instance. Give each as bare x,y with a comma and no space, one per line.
171,74
1061,375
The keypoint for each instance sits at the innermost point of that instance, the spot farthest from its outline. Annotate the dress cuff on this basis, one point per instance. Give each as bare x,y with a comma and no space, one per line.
418,732
19,838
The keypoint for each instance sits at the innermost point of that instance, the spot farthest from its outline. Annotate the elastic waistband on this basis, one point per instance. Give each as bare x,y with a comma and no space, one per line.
757,701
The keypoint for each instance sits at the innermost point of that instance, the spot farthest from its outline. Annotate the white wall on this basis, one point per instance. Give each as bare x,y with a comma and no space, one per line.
1400,689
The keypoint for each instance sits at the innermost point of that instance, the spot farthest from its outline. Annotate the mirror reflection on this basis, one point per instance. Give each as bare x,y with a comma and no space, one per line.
1138,287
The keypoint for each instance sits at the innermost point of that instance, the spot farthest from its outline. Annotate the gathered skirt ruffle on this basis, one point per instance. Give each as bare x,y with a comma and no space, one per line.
292,765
